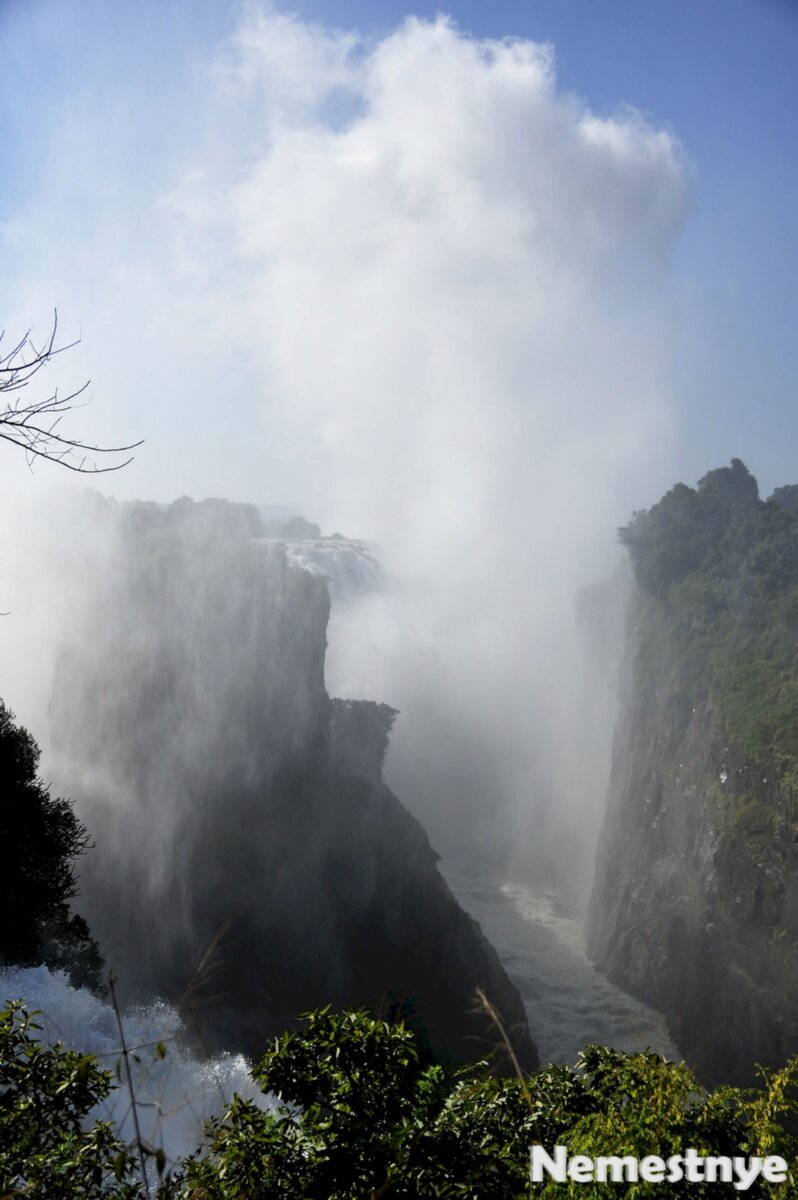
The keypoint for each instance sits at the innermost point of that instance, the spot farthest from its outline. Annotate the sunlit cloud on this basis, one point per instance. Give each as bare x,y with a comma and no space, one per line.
415,287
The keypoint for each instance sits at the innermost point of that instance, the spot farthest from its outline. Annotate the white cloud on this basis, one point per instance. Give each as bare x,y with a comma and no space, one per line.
415,286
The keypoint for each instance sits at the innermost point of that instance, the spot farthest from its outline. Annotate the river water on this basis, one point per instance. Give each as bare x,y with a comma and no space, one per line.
541,944
538,937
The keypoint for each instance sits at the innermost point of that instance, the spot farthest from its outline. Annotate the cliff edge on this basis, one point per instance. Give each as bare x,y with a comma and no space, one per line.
250,862
695,902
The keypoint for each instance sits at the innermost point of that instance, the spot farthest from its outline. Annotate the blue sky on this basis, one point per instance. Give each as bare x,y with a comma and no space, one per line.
406,283
720,74
723,74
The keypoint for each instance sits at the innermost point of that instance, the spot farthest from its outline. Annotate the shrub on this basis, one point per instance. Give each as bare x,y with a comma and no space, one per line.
360,1118
40,838
47,1149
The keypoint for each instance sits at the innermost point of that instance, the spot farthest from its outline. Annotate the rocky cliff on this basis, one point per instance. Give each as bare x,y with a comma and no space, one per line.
695,904
250,862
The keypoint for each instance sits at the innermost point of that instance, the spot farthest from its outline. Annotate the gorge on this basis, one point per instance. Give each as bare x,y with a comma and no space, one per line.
251,863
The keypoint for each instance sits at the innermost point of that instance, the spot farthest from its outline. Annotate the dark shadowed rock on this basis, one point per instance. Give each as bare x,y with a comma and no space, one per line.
249,858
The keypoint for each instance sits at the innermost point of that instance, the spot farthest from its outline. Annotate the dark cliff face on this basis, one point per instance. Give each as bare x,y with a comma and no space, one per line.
695,904
249,858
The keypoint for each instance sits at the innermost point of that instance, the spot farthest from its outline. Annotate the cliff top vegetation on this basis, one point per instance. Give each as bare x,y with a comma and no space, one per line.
362,1116
721,567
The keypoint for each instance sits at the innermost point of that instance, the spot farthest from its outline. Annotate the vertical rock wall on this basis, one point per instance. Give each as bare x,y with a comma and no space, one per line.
249,861
695,903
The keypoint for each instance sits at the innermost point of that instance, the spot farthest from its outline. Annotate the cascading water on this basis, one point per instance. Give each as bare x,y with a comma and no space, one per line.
176,1092
245,847
349,566
567,1001
537,932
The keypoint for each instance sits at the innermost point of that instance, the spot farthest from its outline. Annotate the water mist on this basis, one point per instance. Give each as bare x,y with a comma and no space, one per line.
414,286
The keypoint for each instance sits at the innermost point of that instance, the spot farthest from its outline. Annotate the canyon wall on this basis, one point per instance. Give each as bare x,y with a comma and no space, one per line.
250,863
695,902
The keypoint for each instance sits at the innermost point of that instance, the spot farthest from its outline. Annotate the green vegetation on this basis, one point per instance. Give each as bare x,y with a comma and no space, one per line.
47,1149
40,839
361,1117
360,1112
721,566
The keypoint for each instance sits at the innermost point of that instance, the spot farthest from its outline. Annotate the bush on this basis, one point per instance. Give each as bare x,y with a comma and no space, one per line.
47,1152
359,1117
40,838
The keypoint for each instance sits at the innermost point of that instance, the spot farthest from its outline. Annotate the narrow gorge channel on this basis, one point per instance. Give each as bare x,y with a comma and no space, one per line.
541,945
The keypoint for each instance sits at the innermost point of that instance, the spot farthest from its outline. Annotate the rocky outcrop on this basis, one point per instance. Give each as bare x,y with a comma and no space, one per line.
250,862
695,903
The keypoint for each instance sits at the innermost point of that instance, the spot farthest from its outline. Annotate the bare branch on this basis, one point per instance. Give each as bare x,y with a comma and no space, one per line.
33,426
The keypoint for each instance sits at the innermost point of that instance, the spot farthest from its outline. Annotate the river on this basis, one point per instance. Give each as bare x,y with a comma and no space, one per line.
541,944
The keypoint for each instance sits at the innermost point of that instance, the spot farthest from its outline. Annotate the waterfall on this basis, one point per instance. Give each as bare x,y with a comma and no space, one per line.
176,1093
350,567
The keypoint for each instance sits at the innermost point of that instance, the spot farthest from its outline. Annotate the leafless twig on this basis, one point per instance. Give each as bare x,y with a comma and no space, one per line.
34,426
129,1073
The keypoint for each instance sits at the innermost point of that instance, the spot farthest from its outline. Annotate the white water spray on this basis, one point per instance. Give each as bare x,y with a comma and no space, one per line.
176,1094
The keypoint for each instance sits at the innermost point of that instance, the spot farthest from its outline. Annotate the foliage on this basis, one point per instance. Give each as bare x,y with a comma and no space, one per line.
721,566
639,1105
683,530
361,1118
47,1149
40,838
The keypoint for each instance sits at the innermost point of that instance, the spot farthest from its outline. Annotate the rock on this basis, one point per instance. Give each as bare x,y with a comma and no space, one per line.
695,903
249,857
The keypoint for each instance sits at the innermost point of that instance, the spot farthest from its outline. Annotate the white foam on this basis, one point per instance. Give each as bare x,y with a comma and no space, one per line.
349,566
568,1001
176,1094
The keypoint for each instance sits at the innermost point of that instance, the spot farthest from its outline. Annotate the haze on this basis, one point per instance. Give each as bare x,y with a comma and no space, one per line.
405,282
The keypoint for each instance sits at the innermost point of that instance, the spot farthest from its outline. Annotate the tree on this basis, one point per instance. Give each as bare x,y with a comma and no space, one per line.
360,1117
40,838
34,425
49,1147
355,1115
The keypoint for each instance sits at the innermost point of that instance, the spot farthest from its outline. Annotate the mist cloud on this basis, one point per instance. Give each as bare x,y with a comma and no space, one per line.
413,286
